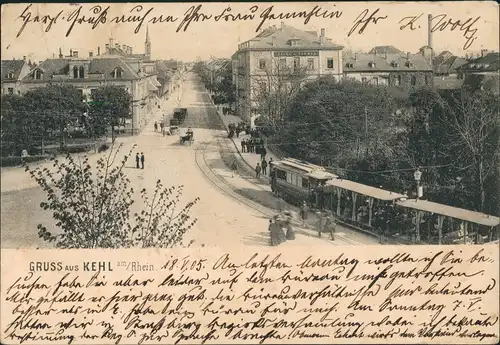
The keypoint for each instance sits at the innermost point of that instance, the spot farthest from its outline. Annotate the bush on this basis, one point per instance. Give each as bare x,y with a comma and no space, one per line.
17,160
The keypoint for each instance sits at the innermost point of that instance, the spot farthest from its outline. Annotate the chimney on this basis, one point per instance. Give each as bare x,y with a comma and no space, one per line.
355,56
131,51
71,52
117,46
75,53
60,53
282,26
91,54
24,58
98,50
107,48
484,52
408,56
429,30
322,38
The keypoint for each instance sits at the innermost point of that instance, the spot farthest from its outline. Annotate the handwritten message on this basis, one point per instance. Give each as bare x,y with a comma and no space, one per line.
384,294
96,16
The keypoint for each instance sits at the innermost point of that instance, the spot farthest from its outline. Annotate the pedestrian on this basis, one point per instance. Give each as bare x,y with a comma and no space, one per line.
304,212
320,223
290,234
162,128
233,168
264,167
258,169
263,152
142,160
331,226
243,145
137,159
156,126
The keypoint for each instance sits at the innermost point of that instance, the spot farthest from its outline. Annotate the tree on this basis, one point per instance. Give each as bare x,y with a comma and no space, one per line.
93,210
273,88
474,118
110,106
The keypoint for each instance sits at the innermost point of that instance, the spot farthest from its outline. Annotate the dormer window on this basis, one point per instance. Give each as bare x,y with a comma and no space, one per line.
409,64
10,75
371,64
38,74
349,65
294,42
118,73
395,64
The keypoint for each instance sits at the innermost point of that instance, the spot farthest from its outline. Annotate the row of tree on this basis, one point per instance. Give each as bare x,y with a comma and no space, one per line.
54,113
219,82
379,136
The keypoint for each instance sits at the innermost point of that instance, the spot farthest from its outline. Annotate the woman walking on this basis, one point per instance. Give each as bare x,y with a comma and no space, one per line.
234,168
276,232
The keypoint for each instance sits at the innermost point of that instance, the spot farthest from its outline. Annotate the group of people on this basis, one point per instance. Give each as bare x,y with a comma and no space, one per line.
261,168
226,111
139,159
162,125
280,228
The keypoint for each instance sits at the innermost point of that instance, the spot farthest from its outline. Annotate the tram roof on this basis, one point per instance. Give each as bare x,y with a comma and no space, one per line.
322,175
298,165
359,188
450,211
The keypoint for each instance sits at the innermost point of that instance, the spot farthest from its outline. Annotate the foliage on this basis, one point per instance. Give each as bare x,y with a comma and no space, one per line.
93,209
110,106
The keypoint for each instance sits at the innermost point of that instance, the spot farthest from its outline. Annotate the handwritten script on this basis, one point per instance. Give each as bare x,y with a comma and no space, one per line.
393,294
93,17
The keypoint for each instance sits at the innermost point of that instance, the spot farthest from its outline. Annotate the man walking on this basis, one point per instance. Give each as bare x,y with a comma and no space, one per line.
263,152
137,159
142,160
331,226
156,126
162,128
243,145
258,169
264,167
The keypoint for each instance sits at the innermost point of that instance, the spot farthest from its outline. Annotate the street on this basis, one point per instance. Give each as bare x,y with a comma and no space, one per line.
222,220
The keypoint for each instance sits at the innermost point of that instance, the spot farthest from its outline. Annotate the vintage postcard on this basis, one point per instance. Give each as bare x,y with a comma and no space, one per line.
257,173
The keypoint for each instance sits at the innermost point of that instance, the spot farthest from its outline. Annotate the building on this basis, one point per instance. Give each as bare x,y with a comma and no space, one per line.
276,56
400,70
13,71
446,71
482,72
118,66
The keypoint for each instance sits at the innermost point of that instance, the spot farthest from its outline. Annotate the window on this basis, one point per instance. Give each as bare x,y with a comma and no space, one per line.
310,63
305,183
363,79
413,80
426,80
10,75
10,91
38,74
283,63
395,64
117,73
75,72
296,62
92,93
372,64
397,80
262,64
281,174
409,64
329,63
81,72
375,81
349,65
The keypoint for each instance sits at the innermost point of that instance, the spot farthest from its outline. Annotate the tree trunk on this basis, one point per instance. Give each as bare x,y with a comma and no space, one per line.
482,192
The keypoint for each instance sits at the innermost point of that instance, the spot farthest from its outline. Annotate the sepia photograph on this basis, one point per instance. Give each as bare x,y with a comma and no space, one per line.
304,128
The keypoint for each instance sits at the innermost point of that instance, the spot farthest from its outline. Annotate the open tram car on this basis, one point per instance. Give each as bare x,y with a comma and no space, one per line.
296,181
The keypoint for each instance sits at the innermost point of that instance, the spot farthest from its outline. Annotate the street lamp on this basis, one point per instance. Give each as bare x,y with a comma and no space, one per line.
418,175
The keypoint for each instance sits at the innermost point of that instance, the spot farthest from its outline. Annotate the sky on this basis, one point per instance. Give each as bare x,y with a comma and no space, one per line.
459,27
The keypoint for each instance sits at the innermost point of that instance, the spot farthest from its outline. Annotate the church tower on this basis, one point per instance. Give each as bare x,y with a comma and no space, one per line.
147,44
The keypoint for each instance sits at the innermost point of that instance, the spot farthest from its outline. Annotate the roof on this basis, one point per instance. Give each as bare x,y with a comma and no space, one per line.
97,66
359,188
450,83
446,64
279,38
384,50
385,62
488,63
321,175
11,66
450,211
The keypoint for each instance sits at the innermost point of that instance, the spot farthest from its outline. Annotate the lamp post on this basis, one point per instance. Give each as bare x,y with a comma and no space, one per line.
418,175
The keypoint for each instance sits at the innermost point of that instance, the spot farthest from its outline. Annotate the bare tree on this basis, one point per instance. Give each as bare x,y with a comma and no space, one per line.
274,86
475,119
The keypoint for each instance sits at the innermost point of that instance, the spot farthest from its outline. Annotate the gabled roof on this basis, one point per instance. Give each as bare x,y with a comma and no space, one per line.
446,64
281,38
384,50
385,63
488,63
101,65
11,66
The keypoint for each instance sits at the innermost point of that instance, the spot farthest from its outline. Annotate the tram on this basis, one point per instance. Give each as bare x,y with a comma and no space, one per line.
296,181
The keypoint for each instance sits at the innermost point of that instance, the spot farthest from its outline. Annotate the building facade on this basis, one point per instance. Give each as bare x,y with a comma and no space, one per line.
13,71
278,57
398,70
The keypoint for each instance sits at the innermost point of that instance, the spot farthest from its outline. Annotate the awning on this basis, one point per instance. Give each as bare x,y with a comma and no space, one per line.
450,211
151,86
359,188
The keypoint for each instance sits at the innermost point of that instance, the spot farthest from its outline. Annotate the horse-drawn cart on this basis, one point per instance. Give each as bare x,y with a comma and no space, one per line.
187,137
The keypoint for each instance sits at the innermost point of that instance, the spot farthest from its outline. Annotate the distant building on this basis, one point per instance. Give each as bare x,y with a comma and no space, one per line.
279,53
446,73
13,71
482,72
381,50
400,70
